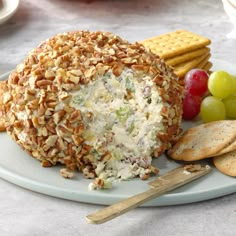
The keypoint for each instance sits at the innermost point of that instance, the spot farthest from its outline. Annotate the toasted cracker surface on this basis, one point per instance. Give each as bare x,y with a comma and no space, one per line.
187,56
231,147
226,163
181,69
204,62
204,141
208,66
175,43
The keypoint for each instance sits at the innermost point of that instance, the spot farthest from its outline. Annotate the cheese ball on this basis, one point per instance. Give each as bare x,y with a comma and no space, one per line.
96,103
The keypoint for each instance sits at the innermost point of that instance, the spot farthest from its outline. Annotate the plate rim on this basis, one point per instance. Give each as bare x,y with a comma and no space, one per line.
13,6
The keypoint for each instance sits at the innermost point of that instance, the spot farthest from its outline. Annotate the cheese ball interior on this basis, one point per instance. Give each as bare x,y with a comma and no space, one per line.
96,103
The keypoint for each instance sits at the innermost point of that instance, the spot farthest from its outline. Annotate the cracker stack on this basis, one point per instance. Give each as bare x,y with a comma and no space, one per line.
182,50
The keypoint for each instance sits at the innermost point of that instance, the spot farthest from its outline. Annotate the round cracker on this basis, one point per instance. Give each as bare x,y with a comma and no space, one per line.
204,141
226,163
231,147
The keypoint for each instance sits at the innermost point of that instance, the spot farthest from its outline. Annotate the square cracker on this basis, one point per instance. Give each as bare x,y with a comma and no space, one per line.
187,56
175,43
203,63
208,66
181,69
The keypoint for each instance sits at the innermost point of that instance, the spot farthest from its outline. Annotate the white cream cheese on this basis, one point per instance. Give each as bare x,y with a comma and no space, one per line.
126,126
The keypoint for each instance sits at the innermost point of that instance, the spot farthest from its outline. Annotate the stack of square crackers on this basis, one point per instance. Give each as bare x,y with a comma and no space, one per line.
182,50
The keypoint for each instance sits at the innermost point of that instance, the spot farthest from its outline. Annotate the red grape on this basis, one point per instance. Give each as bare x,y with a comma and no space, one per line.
191,106
196,82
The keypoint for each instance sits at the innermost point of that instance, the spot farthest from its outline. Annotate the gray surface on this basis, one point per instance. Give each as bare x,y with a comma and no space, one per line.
23,212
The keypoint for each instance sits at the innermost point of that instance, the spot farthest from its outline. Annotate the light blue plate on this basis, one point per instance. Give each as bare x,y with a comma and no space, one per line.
18,167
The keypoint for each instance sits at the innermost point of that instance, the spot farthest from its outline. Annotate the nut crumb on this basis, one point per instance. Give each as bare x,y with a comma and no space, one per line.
192,167
99,183
68,174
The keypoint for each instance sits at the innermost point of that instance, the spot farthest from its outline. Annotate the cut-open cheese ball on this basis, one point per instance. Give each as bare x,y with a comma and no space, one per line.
96,103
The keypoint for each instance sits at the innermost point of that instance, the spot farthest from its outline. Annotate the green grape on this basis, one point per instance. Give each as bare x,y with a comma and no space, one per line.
234,82
212,109
230,106
221,84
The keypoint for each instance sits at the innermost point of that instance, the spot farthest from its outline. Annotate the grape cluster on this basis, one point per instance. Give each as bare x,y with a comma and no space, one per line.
221,100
